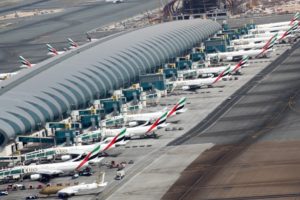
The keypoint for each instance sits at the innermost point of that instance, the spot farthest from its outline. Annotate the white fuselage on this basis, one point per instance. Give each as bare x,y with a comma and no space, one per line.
54,54
77,188
4,76
26,66
77,149
200,82
144,116
49,169
211,70
270,25
249,46
269,29
245,41
229,56
258,37
130,132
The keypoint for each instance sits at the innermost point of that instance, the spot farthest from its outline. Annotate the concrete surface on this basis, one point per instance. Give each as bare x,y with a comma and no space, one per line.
28,36
257,155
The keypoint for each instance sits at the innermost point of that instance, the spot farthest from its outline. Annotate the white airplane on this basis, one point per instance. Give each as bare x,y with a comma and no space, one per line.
255,38
177,109
52,51
286,23
67,191
72,44
114,1
72,190
66,153
254,45
45,171
269,29
289,31
219,70
255,53
25,62
140,131
4,76
249,39
200,82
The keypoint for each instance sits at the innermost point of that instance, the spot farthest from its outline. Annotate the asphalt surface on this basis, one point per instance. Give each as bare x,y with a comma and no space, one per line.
266,110
28,36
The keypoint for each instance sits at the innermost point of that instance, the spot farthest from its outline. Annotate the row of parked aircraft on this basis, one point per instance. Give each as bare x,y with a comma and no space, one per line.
87,156
77,158
247,47
256,44
27,64
76,155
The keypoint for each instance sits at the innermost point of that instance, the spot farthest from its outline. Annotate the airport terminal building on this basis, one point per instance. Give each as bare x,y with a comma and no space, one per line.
52,88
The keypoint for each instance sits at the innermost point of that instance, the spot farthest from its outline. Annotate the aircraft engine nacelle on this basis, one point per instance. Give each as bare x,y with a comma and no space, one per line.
186,87
35,177
229,58
64,195
132,124
65,157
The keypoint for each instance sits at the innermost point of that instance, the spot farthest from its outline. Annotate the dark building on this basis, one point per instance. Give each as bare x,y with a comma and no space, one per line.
205,6
200,6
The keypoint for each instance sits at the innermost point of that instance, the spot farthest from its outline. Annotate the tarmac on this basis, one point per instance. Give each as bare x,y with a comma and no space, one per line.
28,36
256,155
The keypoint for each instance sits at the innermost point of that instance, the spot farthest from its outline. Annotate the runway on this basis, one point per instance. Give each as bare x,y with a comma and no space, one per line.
28,36
257,137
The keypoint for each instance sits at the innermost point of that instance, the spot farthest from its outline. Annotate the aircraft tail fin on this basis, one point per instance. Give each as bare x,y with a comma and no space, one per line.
162,119
25,61
241,63
101,180
52,49
72,43
224,73
269,45
120,137
97,148
295,18
294,27
178,107
90,155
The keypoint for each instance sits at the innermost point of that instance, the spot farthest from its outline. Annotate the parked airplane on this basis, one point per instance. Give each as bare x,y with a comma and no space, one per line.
217,70
269,29
254,53
25,62
5,76
114,1
67,191
286,23
145,117
53,51
199,83
72,44
46,171
252,39
140,131
255,45
67,153
290,31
